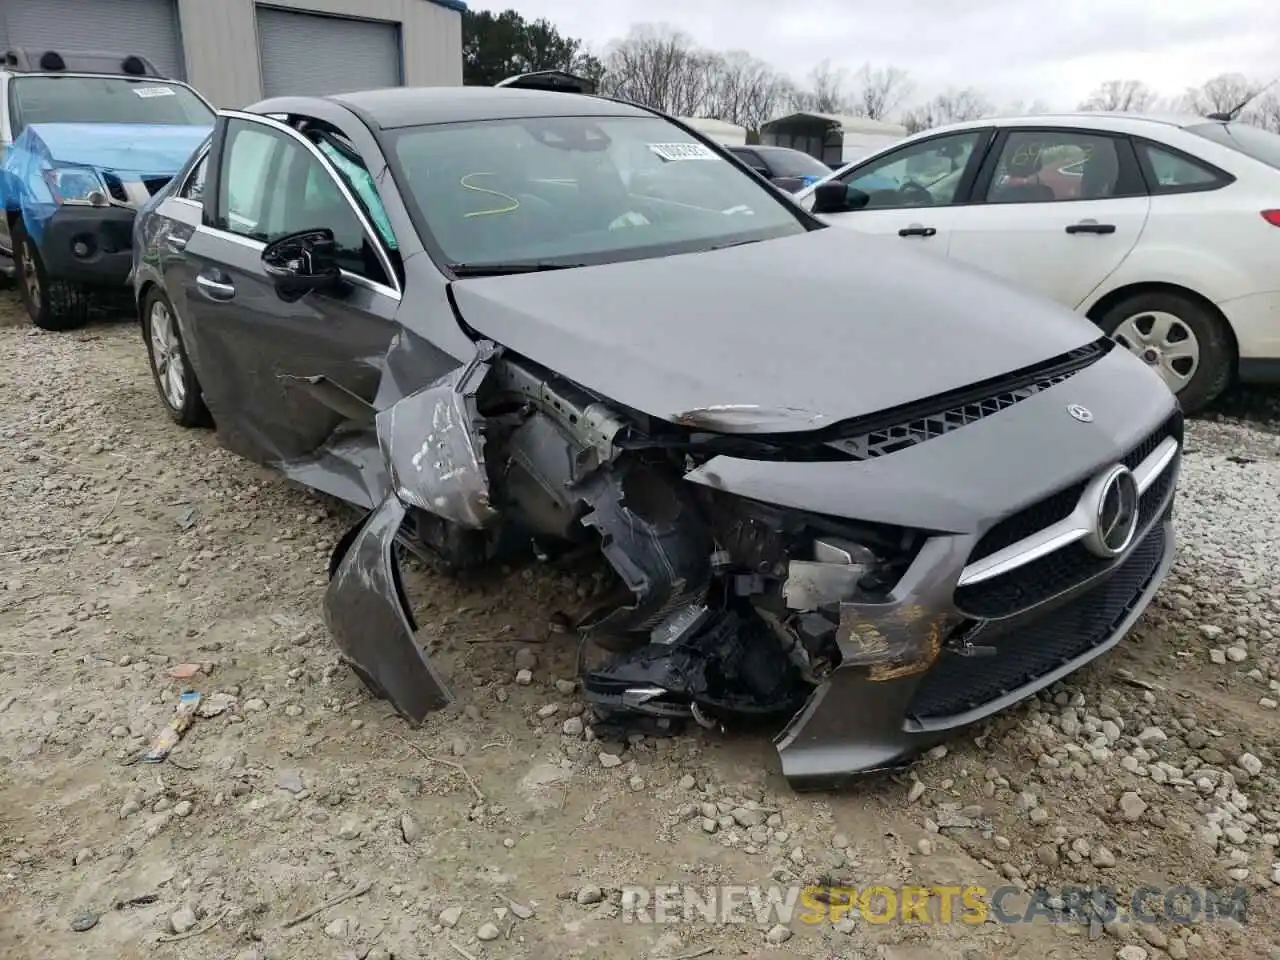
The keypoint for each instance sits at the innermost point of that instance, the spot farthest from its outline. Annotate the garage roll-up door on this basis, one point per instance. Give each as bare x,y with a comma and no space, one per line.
146,27
312,55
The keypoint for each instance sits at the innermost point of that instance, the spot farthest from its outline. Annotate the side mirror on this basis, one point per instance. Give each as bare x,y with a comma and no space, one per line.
836,197
302,262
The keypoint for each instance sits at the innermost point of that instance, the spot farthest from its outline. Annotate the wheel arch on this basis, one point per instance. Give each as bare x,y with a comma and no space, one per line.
140,298
1110,299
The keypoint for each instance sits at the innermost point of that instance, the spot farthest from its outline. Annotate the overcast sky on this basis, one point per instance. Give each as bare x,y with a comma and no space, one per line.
1054,50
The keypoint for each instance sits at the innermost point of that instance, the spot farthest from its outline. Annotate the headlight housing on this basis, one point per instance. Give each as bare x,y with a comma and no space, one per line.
77,185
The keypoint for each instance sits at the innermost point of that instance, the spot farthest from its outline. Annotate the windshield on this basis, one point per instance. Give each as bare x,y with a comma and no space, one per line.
1251,141
793,163
578,190
104,100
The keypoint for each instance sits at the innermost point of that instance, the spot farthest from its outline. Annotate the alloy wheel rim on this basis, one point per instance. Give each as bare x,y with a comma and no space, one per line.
1164,342
167,354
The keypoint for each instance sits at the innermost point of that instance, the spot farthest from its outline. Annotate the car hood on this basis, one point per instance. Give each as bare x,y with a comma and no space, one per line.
127,149
776,336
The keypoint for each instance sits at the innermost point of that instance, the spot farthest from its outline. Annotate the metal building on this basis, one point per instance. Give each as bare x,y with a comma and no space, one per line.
239,51
833,138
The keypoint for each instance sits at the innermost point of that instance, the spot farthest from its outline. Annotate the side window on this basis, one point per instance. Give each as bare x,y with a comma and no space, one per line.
273,186
250,157
193,189
321,204
1176,172
925,174
1043,166
360,182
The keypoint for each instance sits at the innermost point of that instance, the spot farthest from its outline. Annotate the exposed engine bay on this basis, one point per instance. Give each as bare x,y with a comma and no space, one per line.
721,606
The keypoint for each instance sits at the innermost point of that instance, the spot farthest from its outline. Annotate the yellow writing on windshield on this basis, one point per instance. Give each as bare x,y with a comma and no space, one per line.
514,203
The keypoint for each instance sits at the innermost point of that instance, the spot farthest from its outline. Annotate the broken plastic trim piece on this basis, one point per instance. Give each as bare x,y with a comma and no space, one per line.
892,640
434,447
367,614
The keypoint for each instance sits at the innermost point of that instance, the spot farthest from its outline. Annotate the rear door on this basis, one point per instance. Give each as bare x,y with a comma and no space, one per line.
255,349
1056,210
919,191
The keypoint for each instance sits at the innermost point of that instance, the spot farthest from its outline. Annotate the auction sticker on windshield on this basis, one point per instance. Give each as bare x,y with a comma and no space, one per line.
148,92
682,151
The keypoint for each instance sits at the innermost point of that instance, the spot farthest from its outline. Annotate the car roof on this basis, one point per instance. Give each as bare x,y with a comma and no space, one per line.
396,107
1095,119
773,148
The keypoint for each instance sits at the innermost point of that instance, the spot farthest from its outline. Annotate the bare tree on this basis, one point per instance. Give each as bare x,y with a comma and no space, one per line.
745,90
1021,108
1221,94
826,91
1265,112
880,91
660,67
952,106
1120,96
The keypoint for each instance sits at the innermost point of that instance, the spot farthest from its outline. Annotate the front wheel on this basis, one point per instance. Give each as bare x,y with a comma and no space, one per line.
51,304
1180,339
174,376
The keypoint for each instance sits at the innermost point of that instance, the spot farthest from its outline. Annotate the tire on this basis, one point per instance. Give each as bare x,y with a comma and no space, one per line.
51,304
1184,341
172,372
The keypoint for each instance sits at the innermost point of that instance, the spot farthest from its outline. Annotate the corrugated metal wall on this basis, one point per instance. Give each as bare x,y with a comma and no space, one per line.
221,41
304,54
146,27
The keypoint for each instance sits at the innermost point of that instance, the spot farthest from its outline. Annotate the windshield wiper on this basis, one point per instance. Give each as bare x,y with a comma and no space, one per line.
734,243
506,269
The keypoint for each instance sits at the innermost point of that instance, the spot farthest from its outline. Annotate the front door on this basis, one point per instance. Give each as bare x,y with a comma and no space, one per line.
916,192
256,350
1058,211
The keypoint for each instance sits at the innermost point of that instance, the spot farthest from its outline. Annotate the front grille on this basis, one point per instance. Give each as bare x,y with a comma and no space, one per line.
1055,573
1058,506
1029,649
890,433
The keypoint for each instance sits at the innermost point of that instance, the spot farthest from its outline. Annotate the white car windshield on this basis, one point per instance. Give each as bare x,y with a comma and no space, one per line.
72,99
578,190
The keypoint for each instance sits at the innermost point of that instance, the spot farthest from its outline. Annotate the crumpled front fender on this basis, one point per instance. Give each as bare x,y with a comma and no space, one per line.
369,618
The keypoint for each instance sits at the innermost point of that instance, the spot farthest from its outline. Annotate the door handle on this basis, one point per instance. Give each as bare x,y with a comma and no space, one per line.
1091,226
215,289
916,230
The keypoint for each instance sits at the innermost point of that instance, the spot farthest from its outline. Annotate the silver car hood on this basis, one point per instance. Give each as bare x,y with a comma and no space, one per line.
777,336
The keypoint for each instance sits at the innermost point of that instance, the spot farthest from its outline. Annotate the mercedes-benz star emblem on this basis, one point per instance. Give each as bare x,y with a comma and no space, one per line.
1083,414
1114,506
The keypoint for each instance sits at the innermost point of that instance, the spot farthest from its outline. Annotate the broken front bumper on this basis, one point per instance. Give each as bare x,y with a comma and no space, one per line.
369,616
1007,661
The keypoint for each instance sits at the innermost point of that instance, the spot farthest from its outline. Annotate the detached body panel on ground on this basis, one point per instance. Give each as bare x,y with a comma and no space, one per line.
841,521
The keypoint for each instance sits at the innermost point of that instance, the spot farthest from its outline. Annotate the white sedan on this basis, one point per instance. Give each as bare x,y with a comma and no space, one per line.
1164,232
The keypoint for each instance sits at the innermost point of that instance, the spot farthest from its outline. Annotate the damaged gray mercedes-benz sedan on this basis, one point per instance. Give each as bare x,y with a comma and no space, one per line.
837,482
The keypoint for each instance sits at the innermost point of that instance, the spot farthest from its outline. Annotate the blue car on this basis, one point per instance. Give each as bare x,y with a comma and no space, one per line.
85,140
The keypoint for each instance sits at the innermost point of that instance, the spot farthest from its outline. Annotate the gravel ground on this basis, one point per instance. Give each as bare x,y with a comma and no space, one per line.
132,547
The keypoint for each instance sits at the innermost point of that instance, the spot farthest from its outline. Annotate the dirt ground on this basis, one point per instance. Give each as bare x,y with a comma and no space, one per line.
131,546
